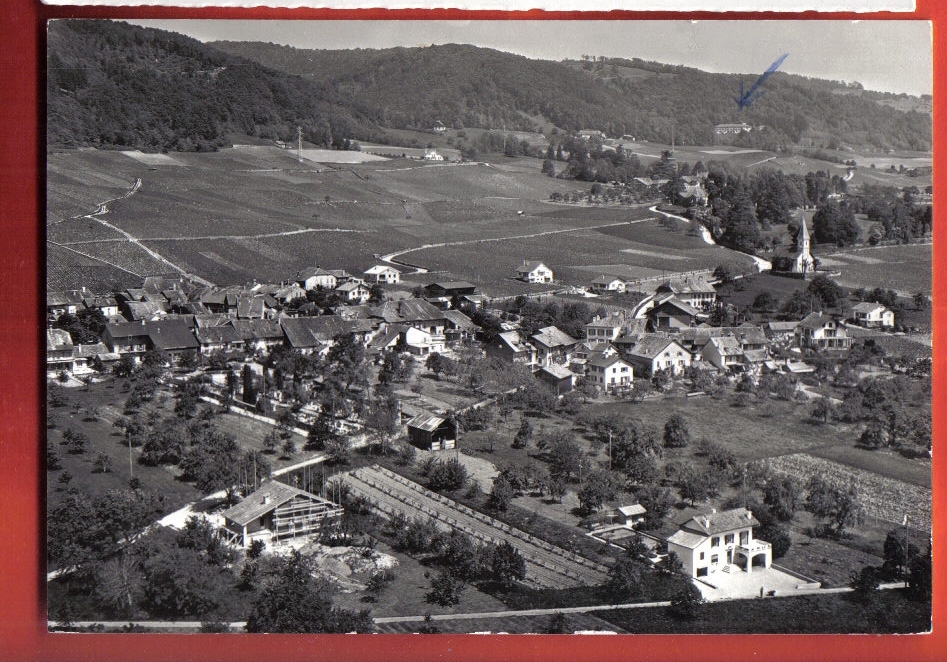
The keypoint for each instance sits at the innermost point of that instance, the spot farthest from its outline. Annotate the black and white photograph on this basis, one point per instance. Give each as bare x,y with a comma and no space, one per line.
522,326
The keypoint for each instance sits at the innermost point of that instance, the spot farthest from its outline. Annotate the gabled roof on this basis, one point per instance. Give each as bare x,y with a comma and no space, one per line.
650,346
713,523
88,351
512,340
309,272
351,285
448,285
868,307
727,345
689,285
687,309
387,338
426,422
58,339
458,320
71,297
815,320
634,509
270,496
551,336
408,310
263,329
211,319
100,301
145,310
611,321
755,355
687,539
171,334
529,267
218,334
606,280
557,371
380,269
606,361
250,307
782,327
314,331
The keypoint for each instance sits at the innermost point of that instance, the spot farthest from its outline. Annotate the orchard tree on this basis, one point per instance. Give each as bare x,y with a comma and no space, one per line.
676,434
508,565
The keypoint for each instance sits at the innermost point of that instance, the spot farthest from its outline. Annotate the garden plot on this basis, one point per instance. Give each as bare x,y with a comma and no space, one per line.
906,268
546,564
882,498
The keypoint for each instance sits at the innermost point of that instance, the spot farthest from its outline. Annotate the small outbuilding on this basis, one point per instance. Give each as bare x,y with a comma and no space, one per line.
432,433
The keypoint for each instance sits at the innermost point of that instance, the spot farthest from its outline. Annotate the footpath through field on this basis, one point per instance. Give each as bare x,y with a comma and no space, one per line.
546,564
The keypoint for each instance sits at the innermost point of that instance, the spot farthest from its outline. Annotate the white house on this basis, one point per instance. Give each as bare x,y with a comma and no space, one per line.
534,272
382,273
871,314
609,373
314,277
720,542
432,155
604,329
604,284
653,353
724,352
821,331
354,291
422,343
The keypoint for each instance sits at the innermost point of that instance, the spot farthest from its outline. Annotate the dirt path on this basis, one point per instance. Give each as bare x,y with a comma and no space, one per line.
222,236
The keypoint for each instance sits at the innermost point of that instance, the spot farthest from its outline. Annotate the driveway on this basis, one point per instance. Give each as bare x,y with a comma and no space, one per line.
739,584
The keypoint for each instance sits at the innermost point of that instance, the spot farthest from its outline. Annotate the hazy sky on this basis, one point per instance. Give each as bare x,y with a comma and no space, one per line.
893,56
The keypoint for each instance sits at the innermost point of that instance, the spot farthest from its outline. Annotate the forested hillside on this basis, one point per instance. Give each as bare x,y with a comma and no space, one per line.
114,84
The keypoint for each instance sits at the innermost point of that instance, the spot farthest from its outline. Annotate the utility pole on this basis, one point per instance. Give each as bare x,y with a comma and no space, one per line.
907,552
299,144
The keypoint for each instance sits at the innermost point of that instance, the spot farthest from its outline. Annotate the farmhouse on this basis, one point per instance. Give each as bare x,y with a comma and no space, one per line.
432,155
432,433
59,350
605,284
219,338
609,373
871,315
822,332
552,345
719,542
277,512
314,277
670,313
259,334
507,346
172,336
417,313
534,272
107,305
441,292
382,273
137,311
60,303
724,352
653,353
604,329
695,291
312,334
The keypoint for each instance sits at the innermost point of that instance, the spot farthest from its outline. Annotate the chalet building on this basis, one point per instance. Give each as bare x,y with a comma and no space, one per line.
671,314
695,291
587,351
604,329
382,273
607,285
750,337
780,331
611,373
509,347
275,513
316,277
822,332
432,155
553,346
534,272
872,315
653,353
354,291
432,433
632,514
127,338
559,378
443,293
720,542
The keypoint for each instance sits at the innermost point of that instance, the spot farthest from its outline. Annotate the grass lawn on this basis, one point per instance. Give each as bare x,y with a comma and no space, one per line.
507,624
888,612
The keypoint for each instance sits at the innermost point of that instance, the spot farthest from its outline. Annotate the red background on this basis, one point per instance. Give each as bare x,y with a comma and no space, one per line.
23,633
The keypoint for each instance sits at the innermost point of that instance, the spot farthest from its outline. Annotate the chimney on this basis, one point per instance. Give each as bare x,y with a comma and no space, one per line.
749,514
713,511
266,500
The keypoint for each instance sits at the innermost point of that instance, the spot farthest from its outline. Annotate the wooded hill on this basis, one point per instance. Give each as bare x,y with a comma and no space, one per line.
114,84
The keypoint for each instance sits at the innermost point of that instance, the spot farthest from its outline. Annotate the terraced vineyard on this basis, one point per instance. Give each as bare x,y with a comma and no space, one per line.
547,566
882,498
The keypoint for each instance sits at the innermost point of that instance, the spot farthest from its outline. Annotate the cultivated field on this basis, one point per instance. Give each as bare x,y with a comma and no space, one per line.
881,498
546,565
907,268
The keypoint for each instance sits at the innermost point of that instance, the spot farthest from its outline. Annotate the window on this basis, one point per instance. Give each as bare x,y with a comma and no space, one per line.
714,559
744,537
728,539
715,541
701,556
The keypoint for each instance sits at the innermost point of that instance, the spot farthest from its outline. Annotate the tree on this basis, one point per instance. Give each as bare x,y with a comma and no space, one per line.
676,434
446,590
548,167
695,484
921,301
212,463
500,495
384,420
249,388
776,536
523,435
865,583
594,492
448,475
438,364
898,552
826,290
671,565
782,494
298,603
558,624
53,461
835,224
765,302
686,602
625,578
838,506
822,410
723,273
337,450
508,565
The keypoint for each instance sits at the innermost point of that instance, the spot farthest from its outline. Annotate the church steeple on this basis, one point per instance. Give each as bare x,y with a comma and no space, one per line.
803,239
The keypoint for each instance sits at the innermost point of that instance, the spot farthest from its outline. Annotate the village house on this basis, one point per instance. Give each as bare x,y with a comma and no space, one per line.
277,512
144,311
312,278
724,353
604,329
653,353
870,315
63,303
432,155
432,433
219,339
458,327
172,336
509,347
314,334
382,273
607,284
720,542
553,346
588,350
443,293
259,334
439,127
670,313
695,291
534,272
59,352
387,340
421,342
416,313
354,291
822,332
732,129
105,304
610,373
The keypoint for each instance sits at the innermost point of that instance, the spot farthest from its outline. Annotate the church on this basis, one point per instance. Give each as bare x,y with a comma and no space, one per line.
799,260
